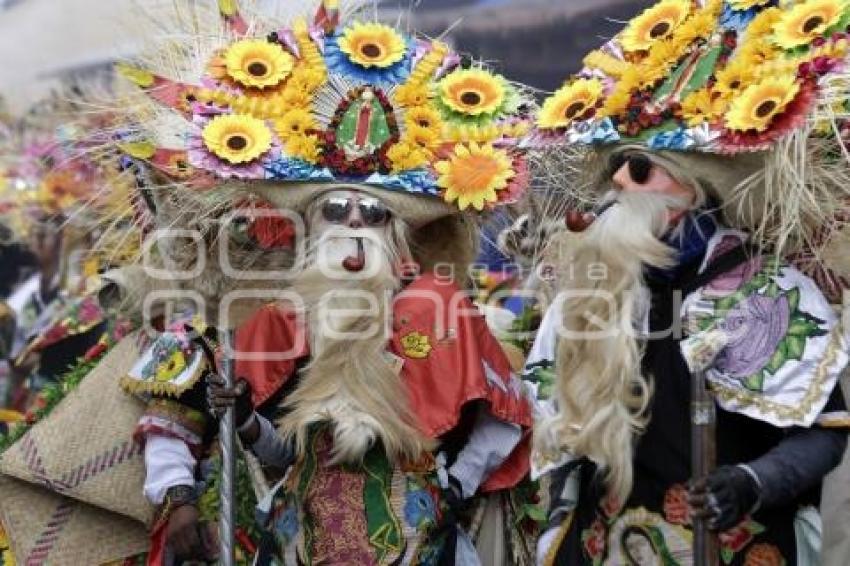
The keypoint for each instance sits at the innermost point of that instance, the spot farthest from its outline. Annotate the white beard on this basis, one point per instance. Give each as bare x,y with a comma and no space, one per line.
349,382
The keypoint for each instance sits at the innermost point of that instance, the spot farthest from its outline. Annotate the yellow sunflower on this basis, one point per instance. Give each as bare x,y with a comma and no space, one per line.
740,5
237,138
296,122
474,174
700,107
734,77
757,52
758,104
412,94
807,21
306,147
472,92
171,367
569,103
654,23
257,63
425,138
404,156
424,117
372,45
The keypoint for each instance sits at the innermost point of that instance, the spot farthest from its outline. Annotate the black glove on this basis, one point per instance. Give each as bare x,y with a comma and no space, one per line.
725,497
221,398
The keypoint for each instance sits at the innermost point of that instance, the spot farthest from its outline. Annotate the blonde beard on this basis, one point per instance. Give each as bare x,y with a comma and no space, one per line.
602,396
349,382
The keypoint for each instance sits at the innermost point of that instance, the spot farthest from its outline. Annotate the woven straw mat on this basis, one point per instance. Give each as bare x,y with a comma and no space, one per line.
84,448
47,528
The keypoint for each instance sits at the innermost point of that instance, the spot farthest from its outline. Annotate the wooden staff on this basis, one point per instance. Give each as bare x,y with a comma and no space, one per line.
703,462
227,442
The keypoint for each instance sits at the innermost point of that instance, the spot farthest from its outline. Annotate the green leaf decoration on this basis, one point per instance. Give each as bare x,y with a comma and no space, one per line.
760,280
755,528
794,298
726,304
755,382
795,346
534,512
778,359
801,327
726,555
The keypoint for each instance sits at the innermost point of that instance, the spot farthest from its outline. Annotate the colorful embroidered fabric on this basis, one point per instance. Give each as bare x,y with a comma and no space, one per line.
708,75
785,347
374,513
357,103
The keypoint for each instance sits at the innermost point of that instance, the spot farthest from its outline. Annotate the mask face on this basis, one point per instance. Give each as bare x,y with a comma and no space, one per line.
350,228
636,173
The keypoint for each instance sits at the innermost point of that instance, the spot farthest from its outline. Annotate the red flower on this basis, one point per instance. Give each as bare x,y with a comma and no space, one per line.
271,230
594,539
95,351
56,333
736,538
676,505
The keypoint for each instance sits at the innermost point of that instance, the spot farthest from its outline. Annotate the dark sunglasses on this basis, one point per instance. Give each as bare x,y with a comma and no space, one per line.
640,166
336,210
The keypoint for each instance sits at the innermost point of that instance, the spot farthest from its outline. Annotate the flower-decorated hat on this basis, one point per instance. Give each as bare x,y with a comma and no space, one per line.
750,96
288,111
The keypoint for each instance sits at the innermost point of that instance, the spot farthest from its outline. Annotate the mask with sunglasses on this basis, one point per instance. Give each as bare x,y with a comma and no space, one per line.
337,210
640,166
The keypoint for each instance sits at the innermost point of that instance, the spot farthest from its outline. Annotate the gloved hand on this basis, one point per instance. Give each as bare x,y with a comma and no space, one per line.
724,498
453,494
220,398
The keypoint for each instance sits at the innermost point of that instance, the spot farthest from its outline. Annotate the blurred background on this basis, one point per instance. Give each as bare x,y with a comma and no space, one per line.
538,42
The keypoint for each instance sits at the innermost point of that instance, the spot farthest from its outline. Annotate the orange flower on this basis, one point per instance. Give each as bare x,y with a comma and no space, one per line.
764,555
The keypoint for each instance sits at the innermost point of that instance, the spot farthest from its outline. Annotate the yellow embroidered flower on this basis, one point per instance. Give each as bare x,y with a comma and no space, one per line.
424,117
404,156
807,21
412,94
746,4
372,45
700,107
474,174
654,23
756,106
472,92
237,138
306,147
416,345
569,103
171,367
296,122
734,77
257,63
